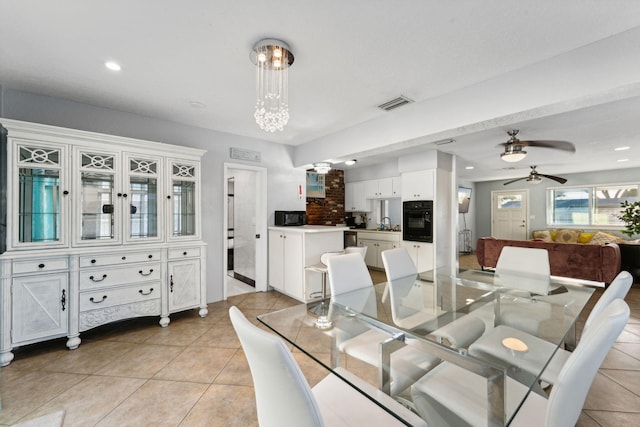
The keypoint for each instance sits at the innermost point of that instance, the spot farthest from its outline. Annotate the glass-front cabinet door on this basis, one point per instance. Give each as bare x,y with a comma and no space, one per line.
184,201
40,195
143,219
98,200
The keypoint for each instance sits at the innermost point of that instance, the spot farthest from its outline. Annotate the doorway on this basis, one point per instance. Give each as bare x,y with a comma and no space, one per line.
509,213
245,250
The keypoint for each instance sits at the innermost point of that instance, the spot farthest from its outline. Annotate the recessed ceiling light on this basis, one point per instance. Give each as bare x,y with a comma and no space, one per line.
350,162
469,167
623,160
621,148
197,104
113,66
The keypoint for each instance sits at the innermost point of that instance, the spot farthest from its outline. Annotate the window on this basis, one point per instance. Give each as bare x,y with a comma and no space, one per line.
596,206
511,201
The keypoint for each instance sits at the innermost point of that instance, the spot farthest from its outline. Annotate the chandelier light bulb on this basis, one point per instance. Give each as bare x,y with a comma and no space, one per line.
277,53
277,63
262,57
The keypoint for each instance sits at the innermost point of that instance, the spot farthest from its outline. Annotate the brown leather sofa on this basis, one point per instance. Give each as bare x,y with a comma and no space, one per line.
599,263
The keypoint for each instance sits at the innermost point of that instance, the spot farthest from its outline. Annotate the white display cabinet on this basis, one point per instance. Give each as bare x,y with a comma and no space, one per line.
104,228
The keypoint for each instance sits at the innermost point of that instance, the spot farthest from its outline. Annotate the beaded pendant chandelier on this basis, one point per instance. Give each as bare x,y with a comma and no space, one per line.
272,59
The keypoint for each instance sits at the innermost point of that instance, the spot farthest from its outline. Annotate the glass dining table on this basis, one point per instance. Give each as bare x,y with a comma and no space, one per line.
416,322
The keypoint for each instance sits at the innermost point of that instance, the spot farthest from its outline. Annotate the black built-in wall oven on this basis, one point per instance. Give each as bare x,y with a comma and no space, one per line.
417,221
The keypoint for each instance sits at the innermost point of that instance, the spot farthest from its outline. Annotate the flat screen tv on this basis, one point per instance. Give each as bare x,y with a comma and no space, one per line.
464,197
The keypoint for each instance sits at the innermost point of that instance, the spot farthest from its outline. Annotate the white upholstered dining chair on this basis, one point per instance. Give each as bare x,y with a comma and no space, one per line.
525,269
398,263
489,347
408,311
284,397
451,395
348,273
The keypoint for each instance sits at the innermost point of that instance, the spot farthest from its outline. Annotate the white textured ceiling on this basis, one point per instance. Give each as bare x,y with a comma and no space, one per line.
349,57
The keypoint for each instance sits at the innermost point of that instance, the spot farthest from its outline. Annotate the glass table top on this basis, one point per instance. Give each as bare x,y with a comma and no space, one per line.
437,315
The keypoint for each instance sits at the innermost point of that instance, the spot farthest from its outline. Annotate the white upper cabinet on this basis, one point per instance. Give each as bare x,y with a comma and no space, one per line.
99,197
71,188
354,197
143,211
183,195
383,188
418,185
39,188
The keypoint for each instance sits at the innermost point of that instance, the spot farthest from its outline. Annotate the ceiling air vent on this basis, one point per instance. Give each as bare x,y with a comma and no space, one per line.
395,103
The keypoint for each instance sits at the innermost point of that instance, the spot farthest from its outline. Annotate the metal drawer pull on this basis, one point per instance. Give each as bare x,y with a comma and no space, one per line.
104,276
147,274
148,293
104,297
63,299
40,265
184,253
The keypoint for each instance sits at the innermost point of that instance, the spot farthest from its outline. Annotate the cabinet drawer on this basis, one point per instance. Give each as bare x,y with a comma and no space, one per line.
118,259
184,253
125,295
45,264
100,277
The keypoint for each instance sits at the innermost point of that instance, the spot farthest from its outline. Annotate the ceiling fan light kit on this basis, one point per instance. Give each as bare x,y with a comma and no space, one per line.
514,148
322,167
535,178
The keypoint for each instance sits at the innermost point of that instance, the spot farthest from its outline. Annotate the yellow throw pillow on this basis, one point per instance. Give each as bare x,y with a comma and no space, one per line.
602,238
585,237
544,235
566,235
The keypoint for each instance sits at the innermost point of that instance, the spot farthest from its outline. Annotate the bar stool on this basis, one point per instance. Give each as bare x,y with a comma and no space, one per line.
322,309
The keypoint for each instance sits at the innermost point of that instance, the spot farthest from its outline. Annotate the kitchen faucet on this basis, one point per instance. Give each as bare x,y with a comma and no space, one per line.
383,226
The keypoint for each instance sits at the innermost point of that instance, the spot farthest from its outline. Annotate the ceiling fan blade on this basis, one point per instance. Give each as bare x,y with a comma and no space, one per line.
555,178
514,180
556,145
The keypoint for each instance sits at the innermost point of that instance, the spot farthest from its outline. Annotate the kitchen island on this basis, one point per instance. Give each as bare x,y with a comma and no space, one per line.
293,249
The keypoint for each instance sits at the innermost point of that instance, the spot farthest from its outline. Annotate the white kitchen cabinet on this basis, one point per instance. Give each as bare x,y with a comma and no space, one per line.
106,226
396,186
286,263
382,188
376,243
354,197
292,249
418,185
421,254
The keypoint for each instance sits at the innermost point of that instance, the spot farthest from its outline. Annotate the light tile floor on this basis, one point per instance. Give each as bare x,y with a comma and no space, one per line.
194,373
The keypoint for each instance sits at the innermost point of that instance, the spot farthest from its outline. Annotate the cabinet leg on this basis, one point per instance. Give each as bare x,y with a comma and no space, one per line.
203,311
164,321
73,342
6,358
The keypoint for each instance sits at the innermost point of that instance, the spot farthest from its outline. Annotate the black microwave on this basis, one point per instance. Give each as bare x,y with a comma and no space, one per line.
284,218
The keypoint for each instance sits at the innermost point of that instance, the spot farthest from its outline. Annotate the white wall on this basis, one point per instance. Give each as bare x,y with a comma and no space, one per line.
282,182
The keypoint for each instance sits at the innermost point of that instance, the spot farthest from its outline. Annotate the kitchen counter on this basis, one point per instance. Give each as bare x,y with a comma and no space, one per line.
373,230
311,228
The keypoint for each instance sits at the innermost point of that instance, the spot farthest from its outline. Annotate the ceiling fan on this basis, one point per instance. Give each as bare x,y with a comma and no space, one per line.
514,148
535,177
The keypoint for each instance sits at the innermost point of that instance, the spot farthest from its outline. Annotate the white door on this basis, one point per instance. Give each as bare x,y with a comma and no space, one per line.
249,223
509,214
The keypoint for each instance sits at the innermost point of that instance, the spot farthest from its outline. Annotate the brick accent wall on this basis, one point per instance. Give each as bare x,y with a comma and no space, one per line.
330,210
